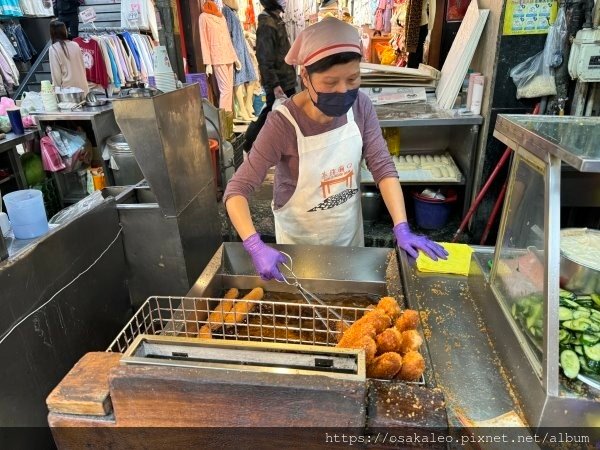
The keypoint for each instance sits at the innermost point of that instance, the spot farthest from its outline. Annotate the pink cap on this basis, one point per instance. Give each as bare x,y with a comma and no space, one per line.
325,38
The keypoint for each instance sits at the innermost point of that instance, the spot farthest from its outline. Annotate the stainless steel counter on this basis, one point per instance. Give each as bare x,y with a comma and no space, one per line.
465,364
85,113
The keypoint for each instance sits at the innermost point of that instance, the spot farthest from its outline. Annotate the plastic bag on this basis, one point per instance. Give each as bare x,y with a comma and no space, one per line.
534,77
50,156
5,126
68,142
5,104
32,101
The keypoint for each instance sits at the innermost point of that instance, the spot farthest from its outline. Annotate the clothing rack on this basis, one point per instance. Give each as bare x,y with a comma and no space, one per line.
92,30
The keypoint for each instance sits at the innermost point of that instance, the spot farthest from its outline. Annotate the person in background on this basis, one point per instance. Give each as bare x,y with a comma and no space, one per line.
67,11
66,60
278,77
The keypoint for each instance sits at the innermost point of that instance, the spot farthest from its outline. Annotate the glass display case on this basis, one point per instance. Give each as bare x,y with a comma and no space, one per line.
556,163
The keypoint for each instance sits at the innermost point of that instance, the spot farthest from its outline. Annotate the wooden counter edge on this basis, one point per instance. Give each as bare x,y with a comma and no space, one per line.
85,390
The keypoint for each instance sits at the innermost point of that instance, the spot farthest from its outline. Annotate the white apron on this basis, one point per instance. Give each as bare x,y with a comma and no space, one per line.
325,207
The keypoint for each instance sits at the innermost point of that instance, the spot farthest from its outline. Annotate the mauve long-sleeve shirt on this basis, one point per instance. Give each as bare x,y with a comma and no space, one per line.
276,145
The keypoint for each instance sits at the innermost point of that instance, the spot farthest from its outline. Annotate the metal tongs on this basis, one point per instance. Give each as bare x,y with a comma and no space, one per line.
309,297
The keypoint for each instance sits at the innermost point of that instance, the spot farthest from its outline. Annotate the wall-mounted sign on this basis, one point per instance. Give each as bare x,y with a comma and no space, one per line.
529,16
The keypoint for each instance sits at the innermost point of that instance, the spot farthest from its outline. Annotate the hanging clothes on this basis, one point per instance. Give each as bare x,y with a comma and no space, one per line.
10,8
36,8
246,74
6,44
24,50
250,18
93,61
139,14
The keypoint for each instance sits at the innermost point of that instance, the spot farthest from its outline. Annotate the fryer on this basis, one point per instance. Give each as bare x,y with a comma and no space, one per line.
278,366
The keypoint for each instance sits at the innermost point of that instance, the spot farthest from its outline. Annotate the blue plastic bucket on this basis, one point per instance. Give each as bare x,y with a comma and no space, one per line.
27,213
433,214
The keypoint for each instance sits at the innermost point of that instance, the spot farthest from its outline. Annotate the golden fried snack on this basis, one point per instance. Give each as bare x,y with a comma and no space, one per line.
390,306
241,309
385,366
413,366
205,332
409,320
356,332
377,318
366,343
217,316
411,341
389,341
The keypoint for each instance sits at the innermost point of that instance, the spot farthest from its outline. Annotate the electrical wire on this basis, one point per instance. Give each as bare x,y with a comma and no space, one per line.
7,333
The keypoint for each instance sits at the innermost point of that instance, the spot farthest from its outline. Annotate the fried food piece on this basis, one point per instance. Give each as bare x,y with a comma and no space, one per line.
377,318
385,366
409,320
389,341
355,333
340,328
241,309
205,332
411,341
366,343
216,318
413,366
390,306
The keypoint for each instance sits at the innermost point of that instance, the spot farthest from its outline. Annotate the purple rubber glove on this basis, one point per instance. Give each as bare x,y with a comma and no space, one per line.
412,243
264,258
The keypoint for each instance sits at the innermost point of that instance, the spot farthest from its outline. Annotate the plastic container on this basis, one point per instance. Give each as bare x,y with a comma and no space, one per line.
27,213
432,214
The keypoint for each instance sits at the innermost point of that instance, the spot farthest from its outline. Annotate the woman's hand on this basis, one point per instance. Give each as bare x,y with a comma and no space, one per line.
265,258
412,243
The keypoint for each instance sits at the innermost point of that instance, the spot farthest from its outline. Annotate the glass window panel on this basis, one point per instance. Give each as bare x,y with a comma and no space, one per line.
519,277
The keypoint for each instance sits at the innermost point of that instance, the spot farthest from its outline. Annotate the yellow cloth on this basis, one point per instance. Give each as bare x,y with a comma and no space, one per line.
458,262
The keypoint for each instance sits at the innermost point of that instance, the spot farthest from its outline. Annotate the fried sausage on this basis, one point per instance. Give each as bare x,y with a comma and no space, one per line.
413,366
205,332
385,366
390,306
409,320
216,318
411,341
366,343
241,309
389,341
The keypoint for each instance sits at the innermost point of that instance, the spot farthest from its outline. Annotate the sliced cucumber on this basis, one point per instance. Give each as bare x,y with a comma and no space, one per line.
568,303
594,366
592,352
588,339
578,349
564,313
534,315
563,293
583,363
563,336
596,299
581,313
595,315
585,303
584,325
569,361
514,310
583,297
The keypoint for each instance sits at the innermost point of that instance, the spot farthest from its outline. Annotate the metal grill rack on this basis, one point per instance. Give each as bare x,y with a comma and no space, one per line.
268,321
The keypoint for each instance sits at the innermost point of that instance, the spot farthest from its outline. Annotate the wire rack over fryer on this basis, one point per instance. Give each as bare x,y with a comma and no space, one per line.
261,321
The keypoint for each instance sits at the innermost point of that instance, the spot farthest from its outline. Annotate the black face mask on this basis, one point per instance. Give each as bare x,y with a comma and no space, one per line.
334,104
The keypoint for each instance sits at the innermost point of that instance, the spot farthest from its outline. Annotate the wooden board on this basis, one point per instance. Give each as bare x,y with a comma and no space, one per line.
84,390
176,396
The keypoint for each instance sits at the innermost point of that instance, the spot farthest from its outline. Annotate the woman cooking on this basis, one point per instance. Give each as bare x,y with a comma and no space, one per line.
316,140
